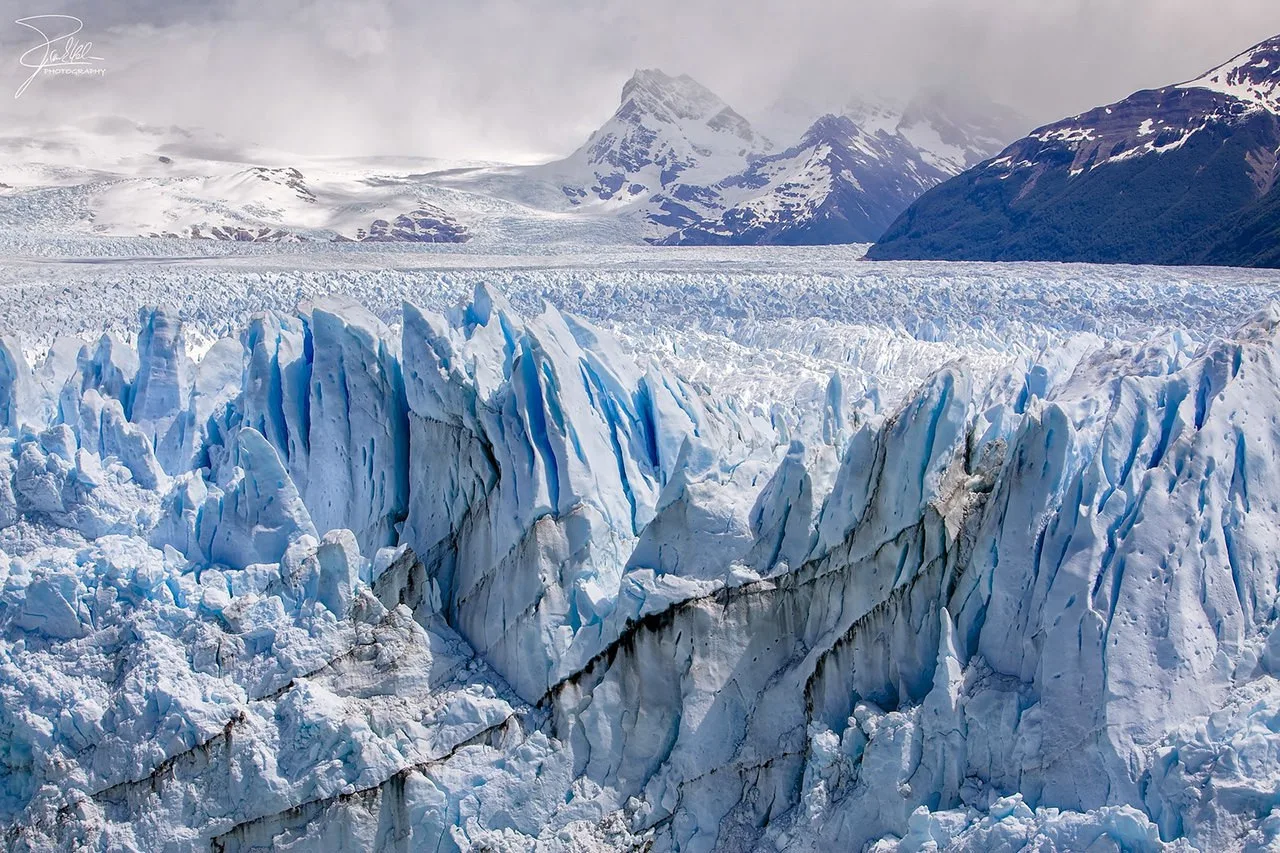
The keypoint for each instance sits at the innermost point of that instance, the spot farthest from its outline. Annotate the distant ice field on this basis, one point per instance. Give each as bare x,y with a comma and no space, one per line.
769,325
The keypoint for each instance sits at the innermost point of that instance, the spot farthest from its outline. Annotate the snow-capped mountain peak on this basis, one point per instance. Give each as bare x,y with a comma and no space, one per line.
828,127
666,131
874,116
952,133
673,154
851,173
839,184
1252,77
654,93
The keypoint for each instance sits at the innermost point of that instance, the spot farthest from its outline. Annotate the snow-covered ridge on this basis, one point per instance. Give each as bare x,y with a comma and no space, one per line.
1252,77
1157,121
667,98
1190,169
487,579
845,180
841,183
949,132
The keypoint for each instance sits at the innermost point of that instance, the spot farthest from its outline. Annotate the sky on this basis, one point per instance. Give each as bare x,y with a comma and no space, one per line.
507,80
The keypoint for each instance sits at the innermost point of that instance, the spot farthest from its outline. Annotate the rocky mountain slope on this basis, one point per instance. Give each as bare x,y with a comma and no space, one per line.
840,184
1185,174
845,181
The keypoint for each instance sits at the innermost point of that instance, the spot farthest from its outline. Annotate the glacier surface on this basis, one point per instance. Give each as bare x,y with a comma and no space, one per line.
720,555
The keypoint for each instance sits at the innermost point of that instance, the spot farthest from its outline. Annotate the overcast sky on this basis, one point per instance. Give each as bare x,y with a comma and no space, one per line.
501,78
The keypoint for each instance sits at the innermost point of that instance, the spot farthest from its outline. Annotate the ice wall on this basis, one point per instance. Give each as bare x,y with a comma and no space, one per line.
485,581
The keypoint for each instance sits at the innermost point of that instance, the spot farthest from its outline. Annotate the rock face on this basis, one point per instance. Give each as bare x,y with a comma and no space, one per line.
489,583
1180,175
417,226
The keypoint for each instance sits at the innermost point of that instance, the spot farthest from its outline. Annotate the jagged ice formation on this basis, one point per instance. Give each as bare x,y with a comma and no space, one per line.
485,580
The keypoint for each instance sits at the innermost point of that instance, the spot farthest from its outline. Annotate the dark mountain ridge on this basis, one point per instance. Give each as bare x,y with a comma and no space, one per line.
1186,174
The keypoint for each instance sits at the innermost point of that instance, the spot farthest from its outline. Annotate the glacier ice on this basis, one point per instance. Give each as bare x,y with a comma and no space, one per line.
488,578
358,432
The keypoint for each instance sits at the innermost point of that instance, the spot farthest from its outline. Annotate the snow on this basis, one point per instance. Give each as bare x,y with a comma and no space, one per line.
875,117
1098,138
667,133
669,157
114,178
937,152
330,547
1250,77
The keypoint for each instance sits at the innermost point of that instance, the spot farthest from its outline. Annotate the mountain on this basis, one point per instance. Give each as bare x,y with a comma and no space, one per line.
674,164
1180,175
954,131
691,170
114,178
650,168
840,184
850,175
667,132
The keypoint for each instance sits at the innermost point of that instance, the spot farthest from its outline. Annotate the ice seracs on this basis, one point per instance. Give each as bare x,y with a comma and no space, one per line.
544,452
357,440
482,577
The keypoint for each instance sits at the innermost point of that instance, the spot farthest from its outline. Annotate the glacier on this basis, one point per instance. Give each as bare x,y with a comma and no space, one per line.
488,570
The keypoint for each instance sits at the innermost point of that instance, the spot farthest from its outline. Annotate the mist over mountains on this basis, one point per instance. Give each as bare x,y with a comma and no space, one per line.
675,164
680,162
509,81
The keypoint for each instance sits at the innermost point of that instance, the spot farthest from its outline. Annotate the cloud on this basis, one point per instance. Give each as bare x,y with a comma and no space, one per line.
501,78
